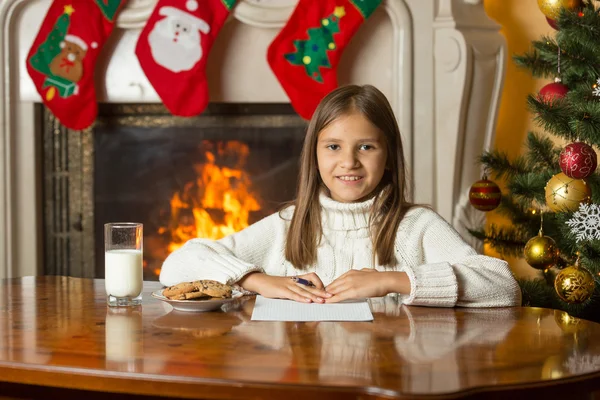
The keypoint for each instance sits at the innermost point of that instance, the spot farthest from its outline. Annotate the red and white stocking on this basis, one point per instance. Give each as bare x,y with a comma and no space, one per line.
63,56
305,54
174,46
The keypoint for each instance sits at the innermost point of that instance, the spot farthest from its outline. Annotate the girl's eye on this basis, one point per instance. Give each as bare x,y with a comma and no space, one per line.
365,147
333,146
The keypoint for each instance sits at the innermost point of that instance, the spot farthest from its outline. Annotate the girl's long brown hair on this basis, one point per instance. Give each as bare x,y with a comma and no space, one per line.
390,204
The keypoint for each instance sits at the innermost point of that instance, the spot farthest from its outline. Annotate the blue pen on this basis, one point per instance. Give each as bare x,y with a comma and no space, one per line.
302,281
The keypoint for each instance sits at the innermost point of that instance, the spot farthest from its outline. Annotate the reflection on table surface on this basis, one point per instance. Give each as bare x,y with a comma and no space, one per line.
64,322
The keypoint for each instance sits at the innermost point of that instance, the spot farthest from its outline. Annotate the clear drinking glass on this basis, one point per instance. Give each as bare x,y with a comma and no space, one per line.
123,269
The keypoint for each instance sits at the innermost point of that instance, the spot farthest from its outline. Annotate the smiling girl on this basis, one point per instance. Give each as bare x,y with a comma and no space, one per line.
351,232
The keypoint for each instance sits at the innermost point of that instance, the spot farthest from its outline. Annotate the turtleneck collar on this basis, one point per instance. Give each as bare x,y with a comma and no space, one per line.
344,216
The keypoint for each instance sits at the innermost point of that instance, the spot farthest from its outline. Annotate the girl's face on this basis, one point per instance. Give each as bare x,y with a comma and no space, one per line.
351,156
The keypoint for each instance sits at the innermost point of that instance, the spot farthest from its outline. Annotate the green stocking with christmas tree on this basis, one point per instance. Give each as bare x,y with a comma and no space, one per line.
305,54
63,56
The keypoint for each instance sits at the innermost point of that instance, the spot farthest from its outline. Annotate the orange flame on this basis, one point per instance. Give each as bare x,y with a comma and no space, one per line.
218,202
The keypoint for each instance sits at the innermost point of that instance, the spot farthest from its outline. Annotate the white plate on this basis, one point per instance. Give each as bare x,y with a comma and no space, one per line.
196,305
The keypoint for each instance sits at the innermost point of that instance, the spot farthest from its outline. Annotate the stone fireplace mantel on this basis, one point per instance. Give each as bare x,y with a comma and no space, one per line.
440,62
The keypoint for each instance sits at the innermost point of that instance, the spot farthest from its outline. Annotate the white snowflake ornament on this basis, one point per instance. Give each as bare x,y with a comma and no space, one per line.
596,87
585,223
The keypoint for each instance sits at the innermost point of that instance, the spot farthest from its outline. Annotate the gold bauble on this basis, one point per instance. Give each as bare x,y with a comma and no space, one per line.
564,194
574,284
551,8
541,252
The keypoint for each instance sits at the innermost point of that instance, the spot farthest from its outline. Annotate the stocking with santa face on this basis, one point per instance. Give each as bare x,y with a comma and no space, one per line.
63,56
173,48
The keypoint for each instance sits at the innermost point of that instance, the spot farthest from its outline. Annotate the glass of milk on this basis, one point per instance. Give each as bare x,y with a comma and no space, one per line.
123,270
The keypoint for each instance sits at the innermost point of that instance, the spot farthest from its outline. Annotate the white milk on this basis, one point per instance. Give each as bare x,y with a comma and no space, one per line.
123,272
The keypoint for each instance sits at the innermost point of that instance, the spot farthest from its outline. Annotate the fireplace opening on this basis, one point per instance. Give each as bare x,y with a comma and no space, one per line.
206,176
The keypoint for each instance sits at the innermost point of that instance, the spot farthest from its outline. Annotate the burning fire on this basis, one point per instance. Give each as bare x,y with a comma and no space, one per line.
218,202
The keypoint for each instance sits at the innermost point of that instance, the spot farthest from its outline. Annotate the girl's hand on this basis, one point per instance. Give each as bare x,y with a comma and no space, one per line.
282,287
359,284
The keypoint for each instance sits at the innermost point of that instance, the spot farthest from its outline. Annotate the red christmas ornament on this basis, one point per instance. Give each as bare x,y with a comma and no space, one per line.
553,91
485,195
552,23
578,160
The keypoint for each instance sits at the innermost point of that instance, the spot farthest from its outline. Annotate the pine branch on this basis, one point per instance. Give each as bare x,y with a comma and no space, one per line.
573,70
501,167
589,260
539,67
584,29
585,122
582,92
547,49
542,154
593,181
530,187
536,293
551,116
508,241
577,62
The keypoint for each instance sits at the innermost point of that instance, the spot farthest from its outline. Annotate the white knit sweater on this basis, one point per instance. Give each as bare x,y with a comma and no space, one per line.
443,270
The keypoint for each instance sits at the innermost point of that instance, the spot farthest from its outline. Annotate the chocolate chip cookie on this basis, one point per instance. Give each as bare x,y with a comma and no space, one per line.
198,290
176,291
213,288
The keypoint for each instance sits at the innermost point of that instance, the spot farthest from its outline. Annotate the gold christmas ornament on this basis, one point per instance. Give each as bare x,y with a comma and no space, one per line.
551,8
574,284
541,252
564,194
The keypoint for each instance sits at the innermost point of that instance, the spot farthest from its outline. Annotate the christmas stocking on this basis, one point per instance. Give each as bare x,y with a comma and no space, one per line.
173,48
63,56
305,54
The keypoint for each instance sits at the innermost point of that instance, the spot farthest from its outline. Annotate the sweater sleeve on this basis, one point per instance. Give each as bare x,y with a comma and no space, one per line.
225,260
453,274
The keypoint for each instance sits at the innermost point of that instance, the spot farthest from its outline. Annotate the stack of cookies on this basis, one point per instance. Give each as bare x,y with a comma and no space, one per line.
198,290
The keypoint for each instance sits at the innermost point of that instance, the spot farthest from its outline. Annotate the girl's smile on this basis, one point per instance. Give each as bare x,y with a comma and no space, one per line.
351,179
351,156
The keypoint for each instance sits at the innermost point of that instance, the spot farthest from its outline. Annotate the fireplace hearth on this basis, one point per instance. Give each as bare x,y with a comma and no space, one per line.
206,176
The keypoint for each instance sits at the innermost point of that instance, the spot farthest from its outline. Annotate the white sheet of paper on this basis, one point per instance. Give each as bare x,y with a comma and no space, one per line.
289,310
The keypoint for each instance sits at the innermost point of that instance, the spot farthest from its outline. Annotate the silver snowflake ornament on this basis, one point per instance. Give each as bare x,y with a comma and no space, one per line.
596,91
585,223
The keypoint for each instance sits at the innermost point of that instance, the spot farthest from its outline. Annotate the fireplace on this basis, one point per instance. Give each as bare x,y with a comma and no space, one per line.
439,62
206,176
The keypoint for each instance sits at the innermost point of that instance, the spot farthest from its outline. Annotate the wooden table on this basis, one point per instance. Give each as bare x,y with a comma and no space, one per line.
59,340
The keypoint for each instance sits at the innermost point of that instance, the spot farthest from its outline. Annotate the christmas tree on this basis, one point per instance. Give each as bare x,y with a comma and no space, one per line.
312,53
552,191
